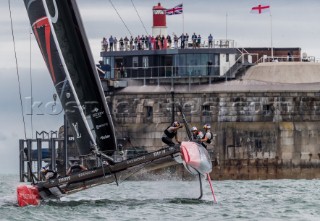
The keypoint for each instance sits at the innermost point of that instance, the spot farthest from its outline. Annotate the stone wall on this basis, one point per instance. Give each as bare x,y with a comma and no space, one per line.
258,134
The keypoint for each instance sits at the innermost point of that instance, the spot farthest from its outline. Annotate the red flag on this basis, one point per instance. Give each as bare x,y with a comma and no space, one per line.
260,9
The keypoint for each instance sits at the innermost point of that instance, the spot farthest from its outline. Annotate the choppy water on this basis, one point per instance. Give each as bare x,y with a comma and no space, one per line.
172,200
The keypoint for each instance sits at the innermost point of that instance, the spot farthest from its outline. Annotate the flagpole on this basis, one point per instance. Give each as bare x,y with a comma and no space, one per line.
182,18
226,26
271,33
182,22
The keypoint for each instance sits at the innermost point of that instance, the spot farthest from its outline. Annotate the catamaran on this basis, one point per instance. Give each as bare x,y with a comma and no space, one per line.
61,37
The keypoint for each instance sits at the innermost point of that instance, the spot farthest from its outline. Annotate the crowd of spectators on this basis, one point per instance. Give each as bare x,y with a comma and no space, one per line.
154,43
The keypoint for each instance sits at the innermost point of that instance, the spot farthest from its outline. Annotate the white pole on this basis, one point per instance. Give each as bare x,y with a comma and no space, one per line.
226,26
271,32
182,18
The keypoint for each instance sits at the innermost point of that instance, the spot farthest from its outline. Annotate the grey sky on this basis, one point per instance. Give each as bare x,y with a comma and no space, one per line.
294,24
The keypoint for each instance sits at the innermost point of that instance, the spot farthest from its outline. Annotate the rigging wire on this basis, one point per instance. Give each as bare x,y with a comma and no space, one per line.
31,89
17,71
120,17
139,17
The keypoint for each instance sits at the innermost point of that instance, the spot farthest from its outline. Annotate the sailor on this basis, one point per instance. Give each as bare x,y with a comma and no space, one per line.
49,174
198,136
171,132
76,168
208,136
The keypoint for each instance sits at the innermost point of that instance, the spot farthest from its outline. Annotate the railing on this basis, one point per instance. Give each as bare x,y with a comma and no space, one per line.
264,59
216,43
45,151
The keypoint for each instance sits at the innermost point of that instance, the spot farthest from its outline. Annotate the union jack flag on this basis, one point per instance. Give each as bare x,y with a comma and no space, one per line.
175,11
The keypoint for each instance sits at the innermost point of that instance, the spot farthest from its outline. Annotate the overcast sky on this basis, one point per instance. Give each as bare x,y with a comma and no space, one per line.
295,23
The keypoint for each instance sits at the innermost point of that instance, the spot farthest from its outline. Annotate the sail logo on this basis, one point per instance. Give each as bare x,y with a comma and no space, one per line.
136,160
101,125
54,18
158,153
87,173
95,110
28,196
98,114
104,137
64,179
76,128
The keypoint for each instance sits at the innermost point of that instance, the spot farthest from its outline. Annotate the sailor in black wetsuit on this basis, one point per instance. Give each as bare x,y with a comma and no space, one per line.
171,132
76,168
48,174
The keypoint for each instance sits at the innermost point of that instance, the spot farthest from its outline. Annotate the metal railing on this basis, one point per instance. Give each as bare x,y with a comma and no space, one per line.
265,59
36,157
216,43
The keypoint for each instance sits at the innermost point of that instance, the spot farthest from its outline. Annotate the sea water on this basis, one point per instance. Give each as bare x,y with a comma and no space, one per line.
173,200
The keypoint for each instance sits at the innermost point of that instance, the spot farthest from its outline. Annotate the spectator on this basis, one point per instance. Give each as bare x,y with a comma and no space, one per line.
162,39
175,40
150,42
186,40
194,41
199,41
104,44
135,43
210,39
142,42
169,41
126,40
115,42
153,43
111,43
121,42
131,43
182,39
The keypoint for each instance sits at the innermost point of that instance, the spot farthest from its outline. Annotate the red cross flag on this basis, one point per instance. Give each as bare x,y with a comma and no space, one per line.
260,9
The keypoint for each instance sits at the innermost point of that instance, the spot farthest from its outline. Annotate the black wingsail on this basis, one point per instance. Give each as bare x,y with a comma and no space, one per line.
60,34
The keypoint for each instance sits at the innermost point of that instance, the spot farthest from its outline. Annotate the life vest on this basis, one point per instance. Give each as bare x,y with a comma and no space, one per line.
208,140
75,169
170,134
199,135
50,174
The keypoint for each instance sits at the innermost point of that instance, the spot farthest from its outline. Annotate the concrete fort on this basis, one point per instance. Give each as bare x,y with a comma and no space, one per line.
264,130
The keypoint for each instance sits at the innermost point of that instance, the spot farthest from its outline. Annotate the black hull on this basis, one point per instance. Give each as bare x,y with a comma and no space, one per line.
118,172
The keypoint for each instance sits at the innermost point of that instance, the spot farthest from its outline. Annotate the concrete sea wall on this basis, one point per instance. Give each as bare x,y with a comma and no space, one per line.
259,135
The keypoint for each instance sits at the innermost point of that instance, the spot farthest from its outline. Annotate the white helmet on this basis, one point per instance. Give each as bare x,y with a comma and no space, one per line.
194,129
176,124
206,126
